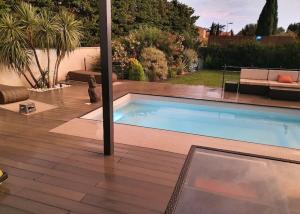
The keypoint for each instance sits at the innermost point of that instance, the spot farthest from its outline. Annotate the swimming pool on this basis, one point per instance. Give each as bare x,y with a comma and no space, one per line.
263,125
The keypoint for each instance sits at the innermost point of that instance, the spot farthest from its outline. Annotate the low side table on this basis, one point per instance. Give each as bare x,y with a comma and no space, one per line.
27,107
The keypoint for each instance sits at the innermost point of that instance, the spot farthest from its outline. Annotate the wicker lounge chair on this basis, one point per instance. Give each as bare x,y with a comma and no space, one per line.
11,94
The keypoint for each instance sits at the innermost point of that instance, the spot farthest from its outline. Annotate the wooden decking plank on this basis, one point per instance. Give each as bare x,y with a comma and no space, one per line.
77,167
116,205
63,203
20,172
10,210
51,172
142,200
122,169
27,159
33,149
36,155
46,188
28,205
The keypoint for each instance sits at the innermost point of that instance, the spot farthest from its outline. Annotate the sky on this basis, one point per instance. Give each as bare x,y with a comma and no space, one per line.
241,12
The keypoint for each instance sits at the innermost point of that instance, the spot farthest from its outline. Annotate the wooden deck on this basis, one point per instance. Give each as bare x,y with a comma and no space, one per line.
53,173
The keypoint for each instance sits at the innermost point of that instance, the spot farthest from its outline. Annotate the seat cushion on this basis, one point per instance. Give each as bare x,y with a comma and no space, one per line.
284,85
273,74
254,82
254,74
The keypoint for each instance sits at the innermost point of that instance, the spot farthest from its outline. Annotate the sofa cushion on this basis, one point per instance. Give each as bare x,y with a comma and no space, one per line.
284,85
254,82
273,74
254,74
284,78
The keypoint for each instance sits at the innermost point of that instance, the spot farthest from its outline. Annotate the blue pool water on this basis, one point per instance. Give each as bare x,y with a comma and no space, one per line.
257,125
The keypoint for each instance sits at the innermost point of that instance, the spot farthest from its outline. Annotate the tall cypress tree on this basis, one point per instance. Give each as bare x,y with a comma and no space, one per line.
268,19
275,16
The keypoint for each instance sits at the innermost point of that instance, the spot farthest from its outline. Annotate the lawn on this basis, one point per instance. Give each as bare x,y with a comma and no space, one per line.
210,78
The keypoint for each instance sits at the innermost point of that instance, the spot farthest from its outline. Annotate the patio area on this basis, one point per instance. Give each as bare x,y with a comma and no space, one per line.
56,173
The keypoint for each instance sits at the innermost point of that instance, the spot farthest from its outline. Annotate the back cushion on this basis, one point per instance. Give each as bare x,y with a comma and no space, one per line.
274,74
284,78
254,74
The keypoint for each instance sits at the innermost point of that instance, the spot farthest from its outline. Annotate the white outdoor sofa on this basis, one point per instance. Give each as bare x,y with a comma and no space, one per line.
264,82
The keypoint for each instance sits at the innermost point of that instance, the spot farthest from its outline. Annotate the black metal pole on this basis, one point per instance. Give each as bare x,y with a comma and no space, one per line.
106,68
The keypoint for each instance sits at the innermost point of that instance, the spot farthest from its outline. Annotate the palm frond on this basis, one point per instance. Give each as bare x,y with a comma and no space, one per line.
27,15
70,34
14,50
46,30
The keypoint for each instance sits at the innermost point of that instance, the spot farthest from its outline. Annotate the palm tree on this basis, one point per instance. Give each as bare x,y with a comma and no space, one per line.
45,33
26,31
14,50
67,39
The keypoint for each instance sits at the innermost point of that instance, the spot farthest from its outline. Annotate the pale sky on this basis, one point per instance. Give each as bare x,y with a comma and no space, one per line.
241,12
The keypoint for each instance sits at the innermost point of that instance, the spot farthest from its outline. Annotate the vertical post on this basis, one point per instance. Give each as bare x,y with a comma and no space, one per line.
106,68
223,81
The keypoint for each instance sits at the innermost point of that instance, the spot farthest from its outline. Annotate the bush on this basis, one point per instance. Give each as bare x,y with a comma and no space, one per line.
136,71
208,62
253,54
120,59
144,37
181,66
96,64
172,73
191,59
154,63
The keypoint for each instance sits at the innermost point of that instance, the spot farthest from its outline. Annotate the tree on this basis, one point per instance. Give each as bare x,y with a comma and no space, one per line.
248,30
26,30
128,15
280,31
268,19
216,29
182,18
67,38
123,17
294,28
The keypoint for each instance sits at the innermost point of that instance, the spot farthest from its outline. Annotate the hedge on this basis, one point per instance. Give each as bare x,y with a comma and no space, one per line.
252,54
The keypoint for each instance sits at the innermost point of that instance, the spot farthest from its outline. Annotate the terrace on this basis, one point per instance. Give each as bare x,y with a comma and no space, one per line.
55,173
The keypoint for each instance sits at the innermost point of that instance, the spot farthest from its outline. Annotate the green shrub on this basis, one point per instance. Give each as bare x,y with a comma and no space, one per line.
172,73
253,54
208,62
181,66
191,59
96,65
154,63
120,59
136,71
145,36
